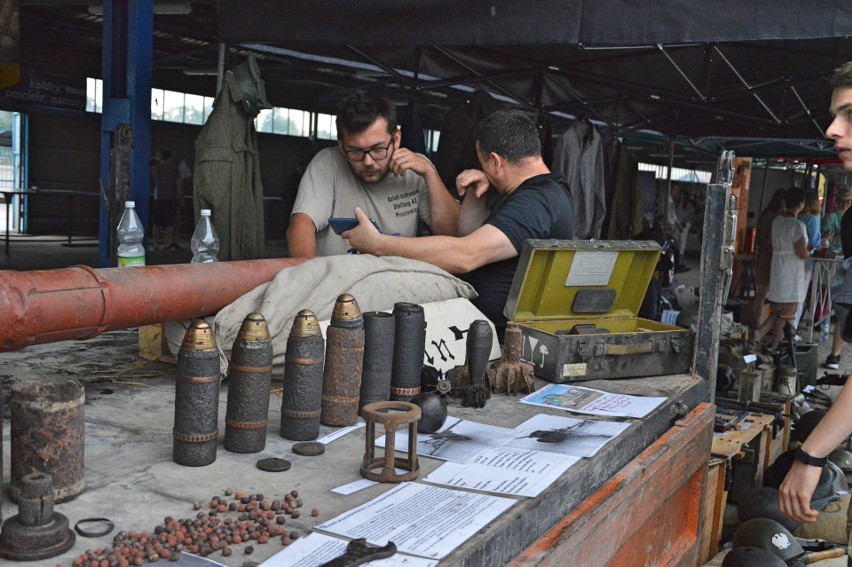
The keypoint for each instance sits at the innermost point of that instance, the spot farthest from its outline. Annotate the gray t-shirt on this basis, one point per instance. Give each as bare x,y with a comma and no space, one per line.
330,189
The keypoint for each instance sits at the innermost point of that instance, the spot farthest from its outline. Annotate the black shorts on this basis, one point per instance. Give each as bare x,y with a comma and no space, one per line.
163,212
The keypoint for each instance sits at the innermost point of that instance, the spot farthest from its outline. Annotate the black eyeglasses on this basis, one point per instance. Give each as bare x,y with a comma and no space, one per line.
377,154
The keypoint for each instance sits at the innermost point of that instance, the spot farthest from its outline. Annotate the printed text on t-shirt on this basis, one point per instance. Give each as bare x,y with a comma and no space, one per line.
406,205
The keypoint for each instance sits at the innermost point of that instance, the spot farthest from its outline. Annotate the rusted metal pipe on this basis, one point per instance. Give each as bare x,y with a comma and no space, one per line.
43,306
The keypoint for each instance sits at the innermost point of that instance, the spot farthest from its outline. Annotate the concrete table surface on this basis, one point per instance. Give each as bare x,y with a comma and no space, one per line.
130,476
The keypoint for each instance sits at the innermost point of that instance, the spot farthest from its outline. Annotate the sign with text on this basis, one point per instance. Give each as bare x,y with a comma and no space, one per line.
41,87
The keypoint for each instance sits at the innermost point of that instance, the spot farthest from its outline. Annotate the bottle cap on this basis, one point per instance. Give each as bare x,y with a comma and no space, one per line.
205,212
130,204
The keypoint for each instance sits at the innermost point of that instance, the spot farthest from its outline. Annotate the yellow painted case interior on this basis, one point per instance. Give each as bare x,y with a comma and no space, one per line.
544,299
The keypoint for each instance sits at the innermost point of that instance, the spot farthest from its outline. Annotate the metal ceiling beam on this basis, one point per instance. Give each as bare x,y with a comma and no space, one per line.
806,109
661,48
746,85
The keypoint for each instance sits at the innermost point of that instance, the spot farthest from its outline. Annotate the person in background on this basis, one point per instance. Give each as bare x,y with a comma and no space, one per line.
166,193
533,203
798,487
367,169
831,222
810,218
787,286
763,252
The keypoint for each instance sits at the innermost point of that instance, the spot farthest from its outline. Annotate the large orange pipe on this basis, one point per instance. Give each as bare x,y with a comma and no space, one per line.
80,302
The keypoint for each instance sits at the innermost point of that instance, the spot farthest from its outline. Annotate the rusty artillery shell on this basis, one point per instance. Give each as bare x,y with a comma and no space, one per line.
249,378
408,349
378,357
344,358
48,435
302,386
479,341
196,398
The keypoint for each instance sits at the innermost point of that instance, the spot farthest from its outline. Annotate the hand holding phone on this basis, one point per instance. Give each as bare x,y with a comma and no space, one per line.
341,224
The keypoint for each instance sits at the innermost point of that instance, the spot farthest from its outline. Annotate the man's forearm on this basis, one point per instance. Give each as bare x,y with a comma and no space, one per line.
833,428
445,209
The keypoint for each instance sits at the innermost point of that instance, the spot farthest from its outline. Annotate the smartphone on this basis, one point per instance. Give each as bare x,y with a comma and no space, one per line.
340,225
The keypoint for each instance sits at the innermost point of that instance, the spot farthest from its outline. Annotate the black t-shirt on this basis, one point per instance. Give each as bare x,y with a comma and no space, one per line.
539,208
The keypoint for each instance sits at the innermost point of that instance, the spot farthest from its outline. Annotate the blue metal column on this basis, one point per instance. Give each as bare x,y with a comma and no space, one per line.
127,74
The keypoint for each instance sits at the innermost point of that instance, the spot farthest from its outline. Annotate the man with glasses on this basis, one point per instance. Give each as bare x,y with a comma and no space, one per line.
368,169
531,202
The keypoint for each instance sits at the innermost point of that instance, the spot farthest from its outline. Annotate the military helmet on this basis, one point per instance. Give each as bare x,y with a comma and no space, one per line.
762,502
752,557
806,424
842,458
768,535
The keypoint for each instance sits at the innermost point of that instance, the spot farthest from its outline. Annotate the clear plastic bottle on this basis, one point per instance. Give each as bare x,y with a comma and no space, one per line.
130,233
205,241
824,328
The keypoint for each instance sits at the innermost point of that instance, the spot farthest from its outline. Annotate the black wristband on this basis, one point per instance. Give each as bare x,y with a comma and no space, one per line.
809,460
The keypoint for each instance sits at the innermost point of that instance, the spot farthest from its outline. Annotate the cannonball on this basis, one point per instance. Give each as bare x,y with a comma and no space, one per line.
433,409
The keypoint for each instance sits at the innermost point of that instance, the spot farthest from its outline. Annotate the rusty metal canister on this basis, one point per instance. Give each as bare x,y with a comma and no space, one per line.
196,398
378,357
249,379
301,401
408,349
48,427
344,359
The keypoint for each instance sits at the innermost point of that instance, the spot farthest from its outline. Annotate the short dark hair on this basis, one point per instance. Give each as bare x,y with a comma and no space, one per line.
359,110
511,134
842,76
165,154
794,197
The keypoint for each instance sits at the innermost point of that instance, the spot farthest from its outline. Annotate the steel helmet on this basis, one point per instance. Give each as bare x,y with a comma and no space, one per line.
752,557
769,535
842,458
762,502
806,424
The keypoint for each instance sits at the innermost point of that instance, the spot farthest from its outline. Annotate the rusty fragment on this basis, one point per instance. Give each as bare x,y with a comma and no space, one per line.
48,434
249,378
509,374
36,532
196,398
391,415
302,386
344,357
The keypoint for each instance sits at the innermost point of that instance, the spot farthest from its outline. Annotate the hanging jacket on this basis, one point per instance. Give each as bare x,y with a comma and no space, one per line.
227,176
578,156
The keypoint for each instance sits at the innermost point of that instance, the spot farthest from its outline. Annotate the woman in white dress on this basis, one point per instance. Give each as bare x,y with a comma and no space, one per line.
787,285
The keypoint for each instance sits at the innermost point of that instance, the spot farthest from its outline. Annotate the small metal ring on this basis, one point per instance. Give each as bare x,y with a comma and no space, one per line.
108,527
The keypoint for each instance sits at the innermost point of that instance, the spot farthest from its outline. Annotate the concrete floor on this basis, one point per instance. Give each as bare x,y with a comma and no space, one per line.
123,391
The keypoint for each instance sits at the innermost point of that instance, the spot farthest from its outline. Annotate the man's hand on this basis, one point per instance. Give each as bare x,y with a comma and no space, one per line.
364,238
404,159
472,180
796,491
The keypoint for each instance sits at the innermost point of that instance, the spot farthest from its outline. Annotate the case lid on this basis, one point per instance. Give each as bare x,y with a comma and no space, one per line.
581,279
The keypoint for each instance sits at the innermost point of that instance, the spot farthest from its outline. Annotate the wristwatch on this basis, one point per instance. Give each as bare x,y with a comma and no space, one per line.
800,455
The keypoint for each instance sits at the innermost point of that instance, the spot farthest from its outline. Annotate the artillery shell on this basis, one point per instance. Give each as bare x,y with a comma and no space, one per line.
408,349
196,398
344,357
378,357
48,434
302,386
249,378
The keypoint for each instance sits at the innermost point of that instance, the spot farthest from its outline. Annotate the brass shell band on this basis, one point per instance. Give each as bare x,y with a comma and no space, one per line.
198,379
250,369
247,425
406,391
340,399
300,414
187,438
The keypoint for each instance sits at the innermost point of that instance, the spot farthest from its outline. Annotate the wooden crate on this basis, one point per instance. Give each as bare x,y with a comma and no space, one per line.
153,344
713,504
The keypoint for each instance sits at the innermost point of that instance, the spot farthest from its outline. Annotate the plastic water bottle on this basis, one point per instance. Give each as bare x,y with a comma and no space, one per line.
823,336
130,233
205,241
